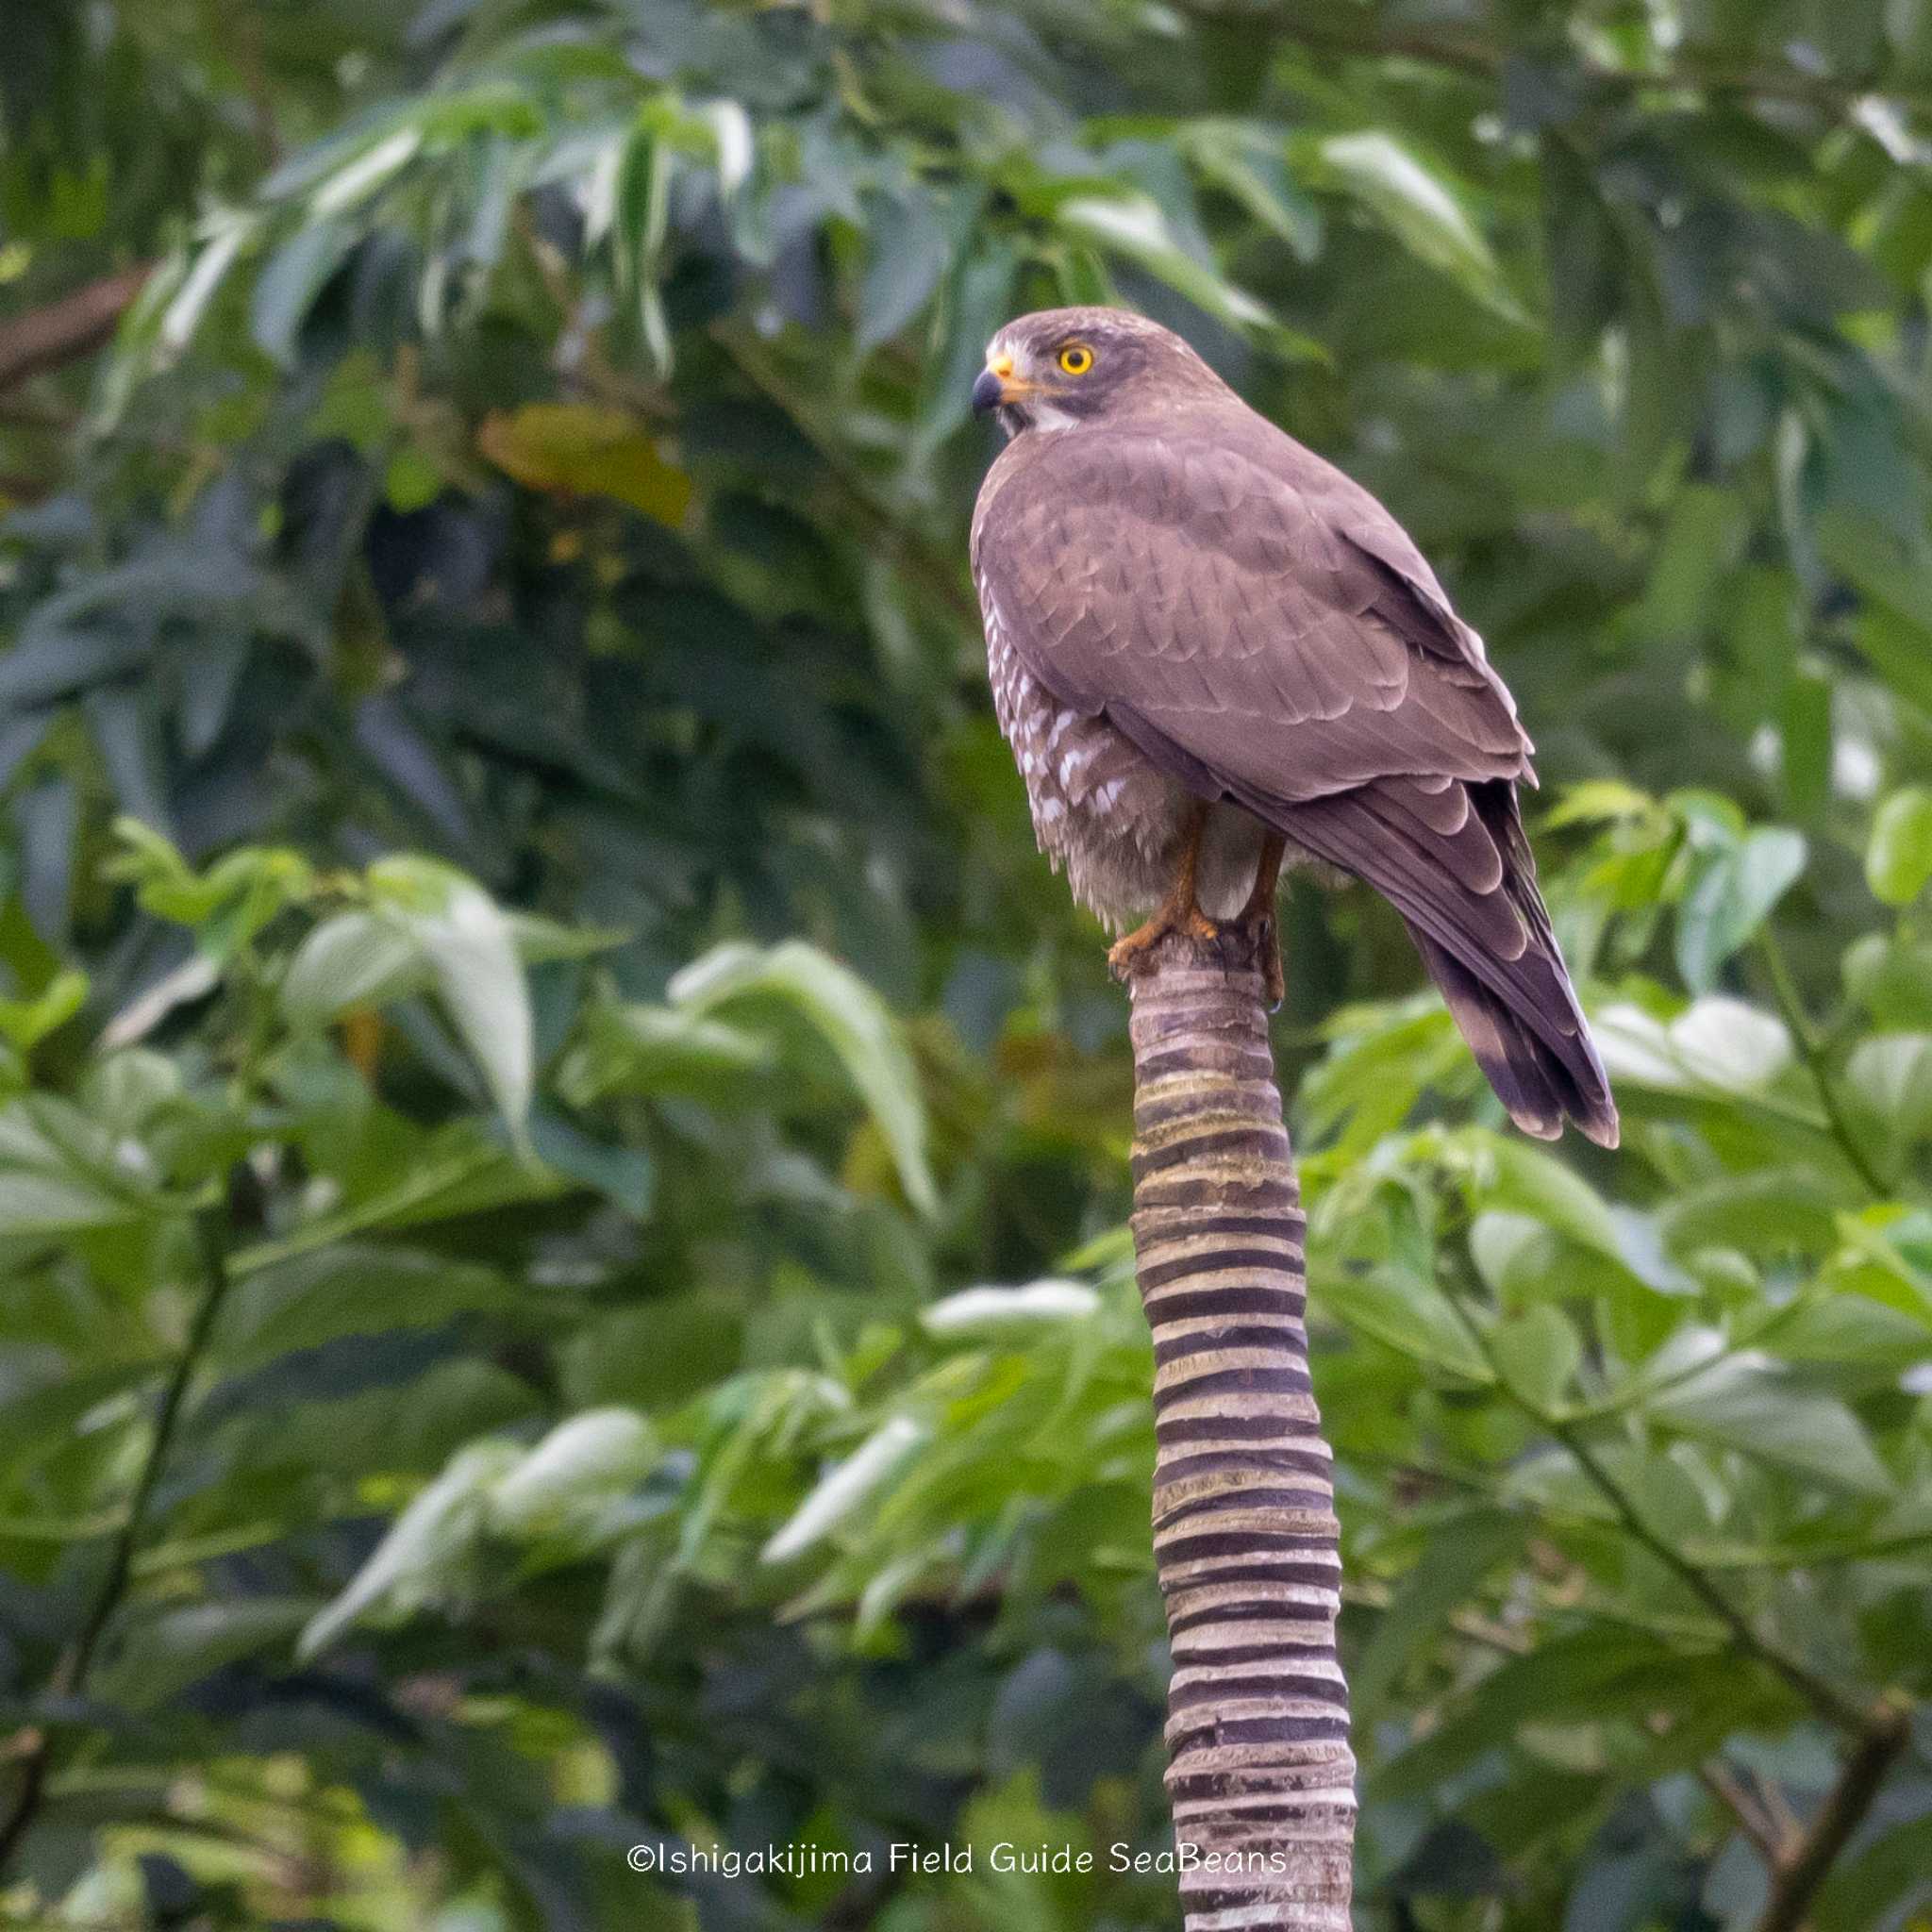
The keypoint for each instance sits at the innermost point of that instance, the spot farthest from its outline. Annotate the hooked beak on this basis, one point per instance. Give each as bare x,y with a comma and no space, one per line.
997,385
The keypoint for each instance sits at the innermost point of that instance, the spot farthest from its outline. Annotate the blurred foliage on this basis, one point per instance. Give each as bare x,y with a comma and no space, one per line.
530,1017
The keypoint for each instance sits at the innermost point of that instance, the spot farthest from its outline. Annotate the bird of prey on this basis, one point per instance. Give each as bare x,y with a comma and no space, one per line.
1210,648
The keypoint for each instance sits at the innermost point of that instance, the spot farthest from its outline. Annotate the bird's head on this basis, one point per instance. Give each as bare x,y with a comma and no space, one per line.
1061,368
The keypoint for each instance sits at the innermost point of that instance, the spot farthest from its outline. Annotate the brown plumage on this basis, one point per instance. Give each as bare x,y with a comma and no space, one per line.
1199,631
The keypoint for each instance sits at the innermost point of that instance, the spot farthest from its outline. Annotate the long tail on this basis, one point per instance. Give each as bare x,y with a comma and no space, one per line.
1452,859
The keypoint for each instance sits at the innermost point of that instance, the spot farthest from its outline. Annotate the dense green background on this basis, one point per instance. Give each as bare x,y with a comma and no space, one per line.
542,1064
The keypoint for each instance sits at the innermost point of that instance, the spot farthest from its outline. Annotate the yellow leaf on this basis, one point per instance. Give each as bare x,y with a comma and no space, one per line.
578,449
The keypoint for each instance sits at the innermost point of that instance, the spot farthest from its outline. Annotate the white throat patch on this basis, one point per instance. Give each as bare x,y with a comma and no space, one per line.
1045,418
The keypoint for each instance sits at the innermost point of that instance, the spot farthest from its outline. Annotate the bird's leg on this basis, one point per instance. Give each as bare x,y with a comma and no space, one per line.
1257,916
1177,912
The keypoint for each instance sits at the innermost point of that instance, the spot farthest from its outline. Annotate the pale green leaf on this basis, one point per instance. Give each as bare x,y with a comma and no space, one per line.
1730,898
1742,1402
851,1019
846,1489
424,1552
1389,181
1133,225
470,948
1898,861
581,1463
976,1311
1537,1353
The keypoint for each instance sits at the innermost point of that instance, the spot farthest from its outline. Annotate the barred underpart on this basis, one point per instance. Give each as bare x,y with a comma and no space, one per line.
1260,1774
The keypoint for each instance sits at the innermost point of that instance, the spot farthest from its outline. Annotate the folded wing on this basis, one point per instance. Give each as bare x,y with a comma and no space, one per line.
1267,633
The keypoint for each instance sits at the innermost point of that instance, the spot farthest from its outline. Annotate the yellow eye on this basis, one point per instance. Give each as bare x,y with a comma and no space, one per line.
1077,359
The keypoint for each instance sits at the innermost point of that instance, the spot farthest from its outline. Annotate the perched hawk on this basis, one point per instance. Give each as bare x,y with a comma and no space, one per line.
1209,648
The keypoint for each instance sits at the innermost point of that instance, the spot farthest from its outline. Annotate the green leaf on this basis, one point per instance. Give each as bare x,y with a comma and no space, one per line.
911,248
1537,1354
221,241
1716,1046
1892,979
1132,225
350,1288
470,948
1742,1402
976,1313
459,1172
846,1489
352,960
294,276
227,905
368,959
659,1050
1580,1676
425,1556
160,1655
24,1022
580,1465
1898,861
1769,1210
1891,1073
1730,898
853,1020
370,172
61,1174
1597,801
1251,165
1460,1552
1412,1318
1504,1174
1389,181
626,1177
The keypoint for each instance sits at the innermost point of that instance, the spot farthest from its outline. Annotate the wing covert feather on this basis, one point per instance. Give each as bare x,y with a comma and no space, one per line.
1240,610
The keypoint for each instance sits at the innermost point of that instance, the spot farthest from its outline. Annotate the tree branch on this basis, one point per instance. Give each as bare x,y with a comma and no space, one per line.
940,580
1811,1050
1798,1874
1728,1789
70,1677
67,329
1824,1697
1485,60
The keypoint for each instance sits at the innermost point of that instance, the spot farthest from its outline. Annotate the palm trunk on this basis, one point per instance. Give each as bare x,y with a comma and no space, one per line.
1260,1774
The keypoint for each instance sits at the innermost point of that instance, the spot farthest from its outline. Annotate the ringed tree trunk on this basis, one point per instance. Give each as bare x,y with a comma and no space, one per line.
1245,1541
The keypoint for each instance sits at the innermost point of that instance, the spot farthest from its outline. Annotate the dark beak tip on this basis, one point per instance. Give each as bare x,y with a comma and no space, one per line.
987,392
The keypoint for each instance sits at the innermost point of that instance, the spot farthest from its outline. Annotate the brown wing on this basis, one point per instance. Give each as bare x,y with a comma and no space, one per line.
1267,633
1236,599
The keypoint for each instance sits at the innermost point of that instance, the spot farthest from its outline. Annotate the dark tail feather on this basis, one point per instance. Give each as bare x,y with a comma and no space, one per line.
1464,882
1537,1084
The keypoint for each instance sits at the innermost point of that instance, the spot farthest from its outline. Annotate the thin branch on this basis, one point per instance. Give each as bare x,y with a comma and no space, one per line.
1811,1050
1826,1698
1728,1789
251,63
1486,60
67,329
934,572
1797,1875
1472,1623
70,1677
